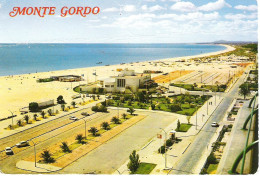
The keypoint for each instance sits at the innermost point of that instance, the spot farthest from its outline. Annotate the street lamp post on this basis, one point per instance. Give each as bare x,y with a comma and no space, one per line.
85,128
12,117
34,153
196,115
165,148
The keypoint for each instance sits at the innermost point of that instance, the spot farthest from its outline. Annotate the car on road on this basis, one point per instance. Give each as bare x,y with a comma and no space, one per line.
215,124
85,114
22,144
73,118
9,151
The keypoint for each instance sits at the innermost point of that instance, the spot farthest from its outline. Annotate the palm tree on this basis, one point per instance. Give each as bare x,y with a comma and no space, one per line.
93,130
35,117
46,156
105,125
115,120
65,148
62,107
19,122
49,112
131,110
73,103
26,118
43,114
79,138
124,115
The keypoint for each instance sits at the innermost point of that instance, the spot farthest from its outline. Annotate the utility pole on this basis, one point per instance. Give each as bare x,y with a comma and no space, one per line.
165,148
12,117
34,153
85,128
196,115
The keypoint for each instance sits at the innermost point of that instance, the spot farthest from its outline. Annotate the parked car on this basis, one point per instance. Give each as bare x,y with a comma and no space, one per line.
22,144
85,114
215,124
9,151
73,118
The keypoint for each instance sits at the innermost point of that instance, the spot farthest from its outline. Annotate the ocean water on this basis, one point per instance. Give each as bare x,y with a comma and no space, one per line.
31,58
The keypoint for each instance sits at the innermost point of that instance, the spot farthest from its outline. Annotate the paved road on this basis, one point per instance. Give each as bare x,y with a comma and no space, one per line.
116,151
8,165
191,158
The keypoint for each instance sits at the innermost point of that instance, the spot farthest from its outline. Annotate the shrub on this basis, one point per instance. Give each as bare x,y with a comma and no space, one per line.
212,159
33,107
153,106
161,149
169,143
94,108
175,108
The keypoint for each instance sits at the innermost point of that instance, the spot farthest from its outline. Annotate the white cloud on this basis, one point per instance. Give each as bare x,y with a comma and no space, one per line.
129,8
212,6
152,8
240,16
183,6
112,9
249,7
198,16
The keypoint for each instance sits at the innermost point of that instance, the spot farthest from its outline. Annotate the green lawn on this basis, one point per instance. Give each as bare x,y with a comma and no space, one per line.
212,168
145,168
184,127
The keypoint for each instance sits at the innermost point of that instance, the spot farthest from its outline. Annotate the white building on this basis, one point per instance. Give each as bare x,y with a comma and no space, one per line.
126,79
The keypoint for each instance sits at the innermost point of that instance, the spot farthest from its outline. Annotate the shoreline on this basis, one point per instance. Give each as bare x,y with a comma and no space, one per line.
228,48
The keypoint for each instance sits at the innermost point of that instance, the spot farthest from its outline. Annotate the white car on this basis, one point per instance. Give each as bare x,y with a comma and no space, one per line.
73,118
22,144
9,151
215,124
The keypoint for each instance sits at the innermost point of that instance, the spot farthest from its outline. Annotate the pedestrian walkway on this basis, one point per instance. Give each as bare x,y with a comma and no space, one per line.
236,143
40,168
149,153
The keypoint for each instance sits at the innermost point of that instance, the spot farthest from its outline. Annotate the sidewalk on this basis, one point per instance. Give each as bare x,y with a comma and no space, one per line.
40,168
236,143
149,153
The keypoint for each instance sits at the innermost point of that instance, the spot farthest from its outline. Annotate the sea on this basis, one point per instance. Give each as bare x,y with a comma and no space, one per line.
31,58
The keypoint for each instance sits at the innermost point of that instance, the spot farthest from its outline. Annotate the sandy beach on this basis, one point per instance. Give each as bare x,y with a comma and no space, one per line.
19,90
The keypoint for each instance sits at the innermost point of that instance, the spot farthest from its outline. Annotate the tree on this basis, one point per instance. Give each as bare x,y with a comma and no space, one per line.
178,125
105,125
124,115
98,96
115,120
161,149
60,100
35,117
62,107
26,118
134,162
188,119
93,130
43,114
49,112
175,108
46,156
94,108
131,110
79,138
19,122
152,106
33,107
102,108
244,90
73,103
65,148
94,97
140,96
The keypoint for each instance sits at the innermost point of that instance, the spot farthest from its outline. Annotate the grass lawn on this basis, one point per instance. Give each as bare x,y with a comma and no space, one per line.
145,168
212,168
184,127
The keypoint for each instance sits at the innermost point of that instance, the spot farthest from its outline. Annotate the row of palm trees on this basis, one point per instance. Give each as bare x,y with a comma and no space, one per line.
27,118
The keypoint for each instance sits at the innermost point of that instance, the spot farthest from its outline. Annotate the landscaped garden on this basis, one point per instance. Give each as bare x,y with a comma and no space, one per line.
206,88
185,104
145,168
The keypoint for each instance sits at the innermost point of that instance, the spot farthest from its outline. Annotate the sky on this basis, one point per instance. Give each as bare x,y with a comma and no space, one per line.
133,21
